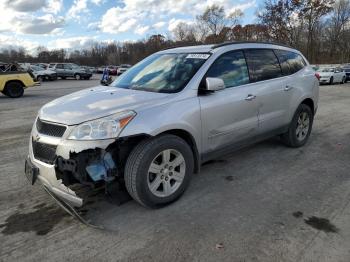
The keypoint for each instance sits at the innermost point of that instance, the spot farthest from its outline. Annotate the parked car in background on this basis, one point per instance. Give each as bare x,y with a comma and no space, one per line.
123,68
92,69
70,70
100,69
347,73
113,70
331,75
43,65
13,80
156,124
42,74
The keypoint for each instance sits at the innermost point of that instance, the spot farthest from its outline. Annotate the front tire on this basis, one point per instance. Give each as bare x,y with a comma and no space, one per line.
300,128
343,80
159,170
14,90
331,81
77,77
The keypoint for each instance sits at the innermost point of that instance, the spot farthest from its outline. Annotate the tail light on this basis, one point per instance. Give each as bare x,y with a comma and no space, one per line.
317,75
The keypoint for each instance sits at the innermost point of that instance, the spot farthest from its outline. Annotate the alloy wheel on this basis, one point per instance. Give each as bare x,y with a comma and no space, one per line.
302,126
166,173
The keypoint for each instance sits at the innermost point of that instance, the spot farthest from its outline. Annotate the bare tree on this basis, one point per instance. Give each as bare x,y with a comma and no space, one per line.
185,32
311,12
213,18
337,29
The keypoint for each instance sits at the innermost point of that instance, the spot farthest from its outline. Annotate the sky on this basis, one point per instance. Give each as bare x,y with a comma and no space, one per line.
75,24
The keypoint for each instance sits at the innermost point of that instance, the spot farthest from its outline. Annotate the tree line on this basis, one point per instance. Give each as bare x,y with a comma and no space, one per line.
318,28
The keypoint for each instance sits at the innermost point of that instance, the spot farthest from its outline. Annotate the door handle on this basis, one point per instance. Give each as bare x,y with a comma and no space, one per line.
250,97
287,88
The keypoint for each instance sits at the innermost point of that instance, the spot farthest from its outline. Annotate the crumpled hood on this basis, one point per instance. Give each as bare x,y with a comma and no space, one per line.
97,102
325,74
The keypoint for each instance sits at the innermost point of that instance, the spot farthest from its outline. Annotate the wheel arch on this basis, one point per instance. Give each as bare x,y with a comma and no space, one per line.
131,141
189,139
15,81
309,102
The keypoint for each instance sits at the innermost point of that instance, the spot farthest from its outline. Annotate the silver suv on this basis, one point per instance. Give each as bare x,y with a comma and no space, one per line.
66,70
155,125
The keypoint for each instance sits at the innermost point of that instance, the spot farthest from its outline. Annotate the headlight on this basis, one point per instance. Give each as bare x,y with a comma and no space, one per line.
102,128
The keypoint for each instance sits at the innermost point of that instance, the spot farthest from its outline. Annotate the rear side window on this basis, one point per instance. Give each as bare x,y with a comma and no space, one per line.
290,62
60,66
262,64
231,67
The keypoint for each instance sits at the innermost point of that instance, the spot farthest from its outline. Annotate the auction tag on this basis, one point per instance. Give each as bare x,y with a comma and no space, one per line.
197,56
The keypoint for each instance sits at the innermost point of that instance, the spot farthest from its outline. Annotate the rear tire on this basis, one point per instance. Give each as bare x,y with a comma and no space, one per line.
300,128
77,77
331,81
14,90
152,174
343,80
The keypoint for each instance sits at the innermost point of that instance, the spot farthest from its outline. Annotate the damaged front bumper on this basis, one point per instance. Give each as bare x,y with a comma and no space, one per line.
47,171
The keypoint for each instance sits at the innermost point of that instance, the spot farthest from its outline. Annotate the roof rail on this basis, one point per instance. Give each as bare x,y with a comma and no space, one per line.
247,42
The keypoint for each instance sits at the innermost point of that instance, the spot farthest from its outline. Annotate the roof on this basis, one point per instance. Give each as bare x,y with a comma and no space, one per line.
213,48
189,49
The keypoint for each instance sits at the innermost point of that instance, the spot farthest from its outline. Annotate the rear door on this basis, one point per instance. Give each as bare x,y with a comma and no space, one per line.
339,74
228,115
68,70
59,70
271,87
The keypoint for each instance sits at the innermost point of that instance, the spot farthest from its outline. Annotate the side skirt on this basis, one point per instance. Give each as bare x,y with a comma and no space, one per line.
241,144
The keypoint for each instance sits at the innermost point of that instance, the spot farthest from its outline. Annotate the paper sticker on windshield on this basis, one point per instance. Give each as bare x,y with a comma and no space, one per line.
197,56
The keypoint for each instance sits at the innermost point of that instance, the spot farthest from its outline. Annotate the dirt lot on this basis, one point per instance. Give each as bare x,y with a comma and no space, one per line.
264,203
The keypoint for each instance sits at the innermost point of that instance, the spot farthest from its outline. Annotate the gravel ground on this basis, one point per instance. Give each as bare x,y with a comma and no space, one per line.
263,203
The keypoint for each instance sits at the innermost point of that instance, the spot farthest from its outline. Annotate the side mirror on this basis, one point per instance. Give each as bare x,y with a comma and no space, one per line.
214,84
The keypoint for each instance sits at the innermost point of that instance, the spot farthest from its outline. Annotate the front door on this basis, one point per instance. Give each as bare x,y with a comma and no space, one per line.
230,115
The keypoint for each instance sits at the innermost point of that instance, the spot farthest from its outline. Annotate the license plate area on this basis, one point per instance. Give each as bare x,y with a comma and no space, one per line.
31,171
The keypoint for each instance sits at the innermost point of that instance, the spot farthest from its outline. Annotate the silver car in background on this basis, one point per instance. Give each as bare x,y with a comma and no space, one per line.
154,126
331,75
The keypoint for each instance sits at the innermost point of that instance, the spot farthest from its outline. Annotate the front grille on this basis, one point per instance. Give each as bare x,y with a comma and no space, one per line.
44,152
50,129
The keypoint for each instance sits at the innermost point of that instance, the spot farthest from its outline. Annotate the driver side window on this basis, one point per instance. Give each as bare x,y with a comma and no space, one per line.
231,67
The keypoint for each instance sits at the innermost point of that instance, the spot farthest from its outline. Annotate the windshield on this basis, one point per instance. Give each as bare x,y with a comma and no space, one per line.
327,70
163,73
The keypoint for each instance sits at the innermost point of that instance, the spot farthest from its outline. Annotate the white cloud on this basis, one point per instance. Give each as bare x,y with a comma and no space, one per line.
135,12
78,42
81,7
40,25
140,30
13,42
27,23
242,7
159,25
173,23
78,7
54,6
25,5
98,2
116,20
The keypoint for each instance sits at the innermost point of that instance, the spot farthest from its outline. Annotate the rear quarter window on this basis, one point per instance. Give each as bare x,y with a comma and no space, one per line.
262,64
290,62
